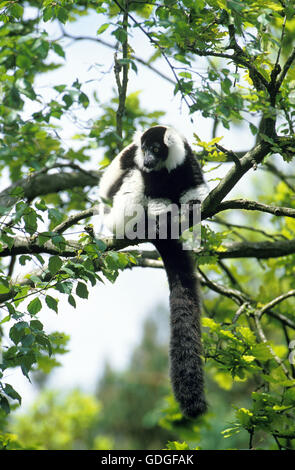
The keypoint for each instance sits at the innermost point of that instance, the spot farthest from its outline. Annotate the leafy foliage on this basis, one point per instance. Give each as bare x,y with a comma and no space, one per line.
58,422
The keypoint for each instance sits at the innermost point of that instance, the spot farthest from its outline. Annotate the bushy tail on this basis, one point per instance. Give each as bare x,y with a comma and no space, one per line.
186,368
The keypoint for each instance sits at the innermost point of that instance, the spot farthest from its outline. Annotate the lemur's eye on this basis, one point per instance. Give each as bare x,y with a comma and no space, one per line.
156,149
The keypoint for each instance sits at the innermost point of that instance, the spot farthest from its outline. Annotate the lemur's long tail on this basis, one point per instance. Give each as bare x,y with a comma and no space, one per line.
186,370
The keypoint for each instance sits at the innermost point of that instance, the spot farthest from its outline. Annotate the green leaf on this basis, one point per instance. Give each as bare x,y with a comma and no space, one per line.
64,287
28,340
48,13
27,361
18,331
174,445
34,306
102,28
68,99
59,241
72,300
62,15
51,303
43,237
58,50
7,239
23,259
83,99
253,129
4,404
45,342
120,34
54,265
23,61
261,351
16,10
9,390
36,325
54,214
5,319
30,220
82,291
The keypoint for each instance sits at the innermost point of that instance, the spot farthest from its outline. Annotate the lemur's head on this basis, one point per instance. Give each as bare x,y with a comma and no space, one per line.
159,147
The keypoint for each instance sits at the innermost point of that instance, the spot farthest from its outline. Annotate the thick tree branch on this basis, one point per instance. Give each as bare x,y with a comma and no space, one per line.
245,204
253,157
259,250
43,183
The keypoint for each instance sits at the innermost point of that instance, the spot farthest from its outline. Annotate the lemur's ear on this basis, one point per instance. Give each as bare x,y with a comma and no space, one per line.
176,145
172,137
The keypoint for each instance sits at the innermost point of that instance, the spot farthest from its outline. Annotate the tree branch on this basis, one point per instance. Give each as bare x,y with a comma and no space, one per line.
73,219
285,70
113,47
42,183
264,340
258,250
245,204
214,198
122,84
275,302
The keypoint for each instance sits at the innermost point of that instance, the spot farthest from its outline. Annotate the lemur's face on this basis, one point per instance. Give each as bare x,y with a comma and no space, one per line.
153,148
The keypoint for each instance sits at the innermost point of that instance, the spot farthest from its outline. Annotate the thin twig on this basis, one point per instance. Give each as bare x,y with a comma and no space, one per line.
275,301
152,40
122,84
264,340
285,70
240,310
73,219
112,46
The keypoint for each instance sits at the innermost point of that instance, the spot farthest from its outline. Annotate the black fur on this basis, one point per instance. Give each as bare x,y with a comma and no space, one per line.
186,369
171,185
126,163
154,137
127,159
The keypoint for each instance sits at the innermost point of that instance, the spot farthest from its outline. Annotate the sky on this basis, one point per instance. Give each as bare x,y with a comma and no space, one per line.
108,325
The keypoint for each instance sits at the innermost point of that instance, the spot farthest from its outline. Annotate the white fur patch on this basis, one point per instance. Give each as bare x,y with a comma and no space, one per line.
126,203
139,157
137,138
176,150
198,193
159,206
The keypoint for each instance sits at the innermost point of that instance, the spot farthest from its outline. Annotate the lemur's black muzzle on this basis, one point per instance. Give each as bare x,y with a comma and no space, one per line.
149,160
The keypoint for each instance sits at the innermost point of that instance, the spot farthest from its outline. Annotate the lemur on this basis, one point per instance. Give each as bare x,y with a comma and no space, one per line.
156,170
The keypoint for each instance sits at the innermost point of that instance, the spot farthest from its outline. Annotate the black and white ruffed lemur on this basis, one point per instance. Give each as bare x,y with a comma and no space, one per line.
156,170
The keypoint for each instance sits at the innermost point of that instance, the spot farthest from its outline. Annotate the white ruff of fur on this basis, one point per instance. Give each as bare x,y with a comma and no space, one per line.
176,152
138,158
